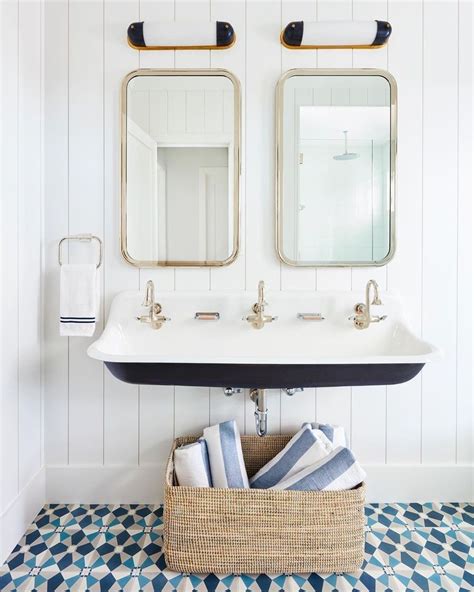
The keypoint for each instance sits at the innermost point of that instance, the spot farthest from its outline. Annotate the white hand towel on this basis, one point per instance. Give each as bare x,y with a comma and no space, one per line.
225,456
303,450
191,465
338,470
335,433
78,301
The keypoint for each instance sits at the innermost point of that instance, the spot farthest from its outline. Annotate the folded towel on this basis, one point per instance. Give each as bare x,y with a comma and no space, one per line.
303,450
191,465
225,455
79,297
335,433
321,437
338,470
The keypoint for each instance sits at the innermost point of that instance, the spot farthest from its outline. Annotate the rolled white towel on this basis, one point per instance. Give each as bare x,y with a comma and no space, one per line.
337,471
191,465
303,450
225,456
335,433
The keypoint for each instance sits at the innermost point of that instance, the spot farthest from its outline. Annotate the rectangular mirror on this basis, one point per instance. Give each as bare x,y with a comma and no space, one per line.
336,149
180,168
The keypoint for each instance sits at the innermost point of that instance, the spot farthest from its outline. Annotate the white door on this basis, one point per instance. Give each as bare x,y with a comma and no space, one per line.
213,213
146,192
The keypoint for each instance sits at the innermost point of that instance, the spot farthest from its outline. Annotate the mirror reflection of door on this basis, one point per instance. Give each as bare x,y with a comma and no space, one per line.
181,149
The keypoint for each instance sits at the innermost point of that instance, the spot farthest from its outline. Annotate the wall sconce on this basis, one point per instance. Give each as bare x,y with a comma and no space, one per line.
336,34
172,35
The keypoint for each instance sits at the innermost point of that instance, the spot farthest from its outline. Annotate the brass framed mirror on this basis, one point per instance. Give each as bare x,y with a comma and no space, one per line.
336,157
180,168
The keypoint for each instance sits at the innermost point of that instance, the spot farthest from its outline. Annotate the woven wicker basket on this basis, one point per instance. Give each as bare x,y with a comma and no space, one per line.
209,530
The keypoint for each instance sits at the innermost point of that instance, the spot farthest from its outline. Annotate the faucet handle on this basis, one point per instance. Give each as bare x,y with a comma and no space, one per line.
378,319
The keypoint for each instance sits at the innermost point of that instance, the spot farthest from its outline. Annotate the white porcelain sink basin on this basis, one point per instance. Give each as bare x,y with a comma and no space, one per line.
285,353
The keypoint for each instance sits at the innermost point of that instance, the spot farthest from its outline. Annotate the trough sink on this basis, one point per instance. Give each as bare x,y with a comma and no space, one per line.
286,353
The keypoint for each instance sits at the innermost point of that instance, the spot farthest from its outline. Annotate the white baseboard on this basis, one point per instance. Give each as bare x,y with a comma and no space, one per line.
105,484
132,484
20,513
420,483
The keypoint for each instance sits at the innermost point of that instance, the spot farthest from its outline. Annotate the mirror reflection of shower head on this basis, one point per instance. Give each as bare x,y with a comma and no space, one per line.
346,155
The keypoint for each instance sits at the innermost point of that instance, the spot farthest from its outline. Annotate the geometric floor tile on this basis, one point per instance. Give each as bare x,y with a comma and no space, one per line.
409,547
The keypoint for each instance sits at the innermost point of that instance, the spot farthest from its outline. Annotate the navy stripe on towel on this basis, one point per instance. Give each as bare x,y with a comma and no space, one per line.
81,320
205,459
279,470
230,455
335,465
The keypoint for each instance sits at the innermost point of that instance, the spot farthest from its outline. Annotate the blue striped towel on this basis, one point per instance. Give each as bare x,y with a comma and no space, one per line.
303,450
191,465
225,456
338,470
334,433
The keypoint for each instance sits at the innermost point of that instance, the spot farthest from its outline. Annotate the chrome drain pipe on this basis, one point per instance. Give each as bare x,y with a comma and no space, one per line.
259,397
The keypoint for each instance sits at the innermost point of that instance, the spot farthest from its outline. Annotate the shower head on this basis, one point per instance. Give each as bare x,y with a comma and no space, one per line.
346,155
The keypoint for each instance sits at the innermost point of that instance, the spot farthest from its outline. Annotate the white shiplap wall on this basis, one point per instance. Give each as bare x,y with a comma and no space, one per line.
106,440
21,461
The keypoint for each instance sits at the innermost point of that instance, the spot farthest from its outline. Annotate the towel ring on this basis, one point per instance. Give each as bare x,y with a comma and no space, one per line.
81,237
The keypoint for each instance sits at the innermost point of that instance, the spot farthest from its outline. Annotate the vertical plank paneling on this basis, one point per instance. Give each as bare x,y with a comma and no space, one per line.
335,278
156,403
86,204
191,410
9,254
301,407
369,403
232,277
465,444
156,421
440,186
120,399
56,187
368,423
404,274
224,408
334,404
263,24
196,11
29,234
193,403
297,278
86,58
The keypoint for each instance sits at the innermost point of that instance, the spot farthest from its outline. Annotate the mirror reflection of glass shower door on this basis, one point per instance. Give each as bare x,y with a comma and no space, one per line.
328,190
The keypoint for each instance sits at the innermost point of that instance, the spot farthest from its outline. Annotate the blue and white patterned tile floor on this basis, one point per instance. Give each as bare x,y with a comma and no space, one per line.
409,547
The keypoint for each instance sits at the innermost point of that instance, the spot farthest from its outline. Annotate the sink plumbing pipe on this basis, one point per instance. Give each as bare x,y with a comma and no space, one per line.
259,397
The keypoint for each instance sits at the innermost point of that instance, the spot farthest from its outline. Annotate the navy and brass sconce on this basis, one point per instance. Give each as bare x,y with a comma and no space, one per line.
336,34
173,35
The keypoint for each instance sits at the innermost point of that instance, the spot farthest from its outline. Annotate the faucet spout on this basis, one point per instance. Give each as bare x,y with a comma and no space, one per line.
149,293
154,318
259,319
363,316
376,300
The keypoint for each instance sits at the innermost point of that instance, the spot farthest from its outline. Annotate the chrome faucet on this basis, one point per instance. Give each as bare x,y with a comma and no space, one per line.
258,319
153,317
363,318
